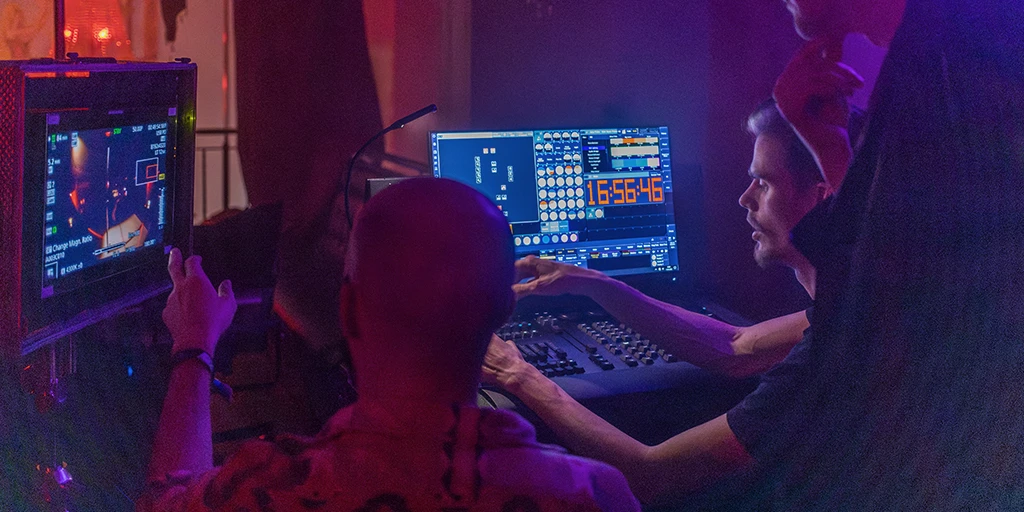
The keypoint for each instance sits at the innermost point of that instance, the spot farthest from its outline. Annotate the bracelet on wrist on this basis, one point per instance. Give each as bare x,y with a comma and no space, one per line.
193,353
203,357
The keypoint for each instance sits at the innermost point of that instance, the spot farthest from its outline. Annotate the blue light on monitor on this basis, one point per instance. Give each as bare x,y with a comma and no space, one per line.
598,198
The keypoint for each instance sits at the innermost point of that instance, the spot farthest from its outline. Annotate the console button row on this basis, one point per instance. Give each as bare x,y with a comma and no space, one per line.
626,343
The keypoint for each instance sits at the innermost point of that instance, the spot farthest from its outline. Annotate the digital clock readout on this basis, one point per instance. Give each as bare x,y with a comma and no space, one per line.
604,192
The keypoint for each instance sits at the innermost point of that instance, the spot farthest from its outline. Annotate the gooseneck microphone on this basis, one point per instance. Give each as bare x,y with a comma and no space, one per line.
429,109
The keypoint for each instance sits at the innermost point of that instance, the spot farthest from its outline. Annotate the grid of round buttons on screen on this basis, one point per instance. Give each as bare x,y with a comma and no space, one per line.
560,193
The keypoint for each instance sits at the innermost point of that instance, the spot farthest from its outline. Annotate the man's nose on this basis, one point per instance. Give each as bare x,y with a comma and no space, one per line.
746,200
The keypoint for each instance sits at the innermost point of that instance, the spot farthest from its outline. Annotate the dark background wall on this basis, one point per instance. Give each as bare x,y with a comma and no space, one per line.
697,66
751,41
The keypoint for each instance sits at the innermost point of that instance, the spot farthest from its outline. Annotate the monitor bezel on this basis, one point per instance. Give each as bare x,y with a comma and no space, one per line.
660,284
104,88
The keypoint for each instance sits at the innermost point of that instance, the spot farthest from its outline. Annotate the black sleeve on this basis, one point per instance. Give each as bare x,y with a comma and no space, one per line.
771,417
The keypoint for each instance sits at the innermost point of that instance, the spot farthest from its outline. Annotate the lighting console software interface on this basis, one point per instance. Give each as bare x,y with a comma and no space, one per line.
596,198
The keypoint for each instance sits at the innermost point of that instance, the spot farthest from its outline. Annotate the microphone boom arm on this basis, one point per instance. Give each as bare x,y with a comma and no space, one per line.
397,125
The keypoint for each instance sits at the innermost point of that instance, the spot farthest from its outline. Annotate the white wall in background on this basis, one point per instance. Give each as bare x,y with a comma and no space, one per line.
199,37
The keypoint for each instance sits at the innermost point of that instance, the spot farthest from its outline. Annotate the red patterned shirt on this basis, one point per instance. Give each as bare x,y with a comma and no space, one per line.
367,459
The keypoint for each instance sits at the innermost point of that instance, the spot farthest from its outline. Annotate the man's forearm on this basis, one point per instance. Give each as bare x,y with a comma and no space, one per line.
183,438
656,474
584,432
694,338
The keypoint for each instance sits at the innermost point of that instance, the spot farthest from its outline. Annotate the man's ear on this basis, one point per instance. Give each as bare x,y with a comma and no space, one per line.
348,316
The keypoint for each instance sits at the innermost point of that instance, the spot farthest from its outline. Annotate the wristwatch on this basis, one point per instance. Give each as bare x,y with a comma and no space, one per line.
193,353
204,357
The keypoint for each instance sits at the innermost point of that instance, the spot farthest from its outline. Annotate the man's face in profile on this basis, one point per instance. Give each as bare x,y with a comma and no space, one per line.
775,203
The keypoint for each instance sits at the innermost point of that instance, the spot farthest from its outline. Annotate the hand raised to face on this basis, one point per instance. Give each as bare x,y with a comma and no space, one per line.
813,95
196,314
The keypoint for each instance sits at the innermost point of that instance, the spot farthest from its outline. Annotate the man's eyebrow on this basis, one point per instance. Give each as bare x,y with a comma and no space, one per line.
753,174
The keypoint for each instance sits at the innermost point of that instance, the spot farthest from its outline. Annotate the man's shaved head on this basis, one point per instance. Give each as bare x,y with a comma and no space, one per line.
430,259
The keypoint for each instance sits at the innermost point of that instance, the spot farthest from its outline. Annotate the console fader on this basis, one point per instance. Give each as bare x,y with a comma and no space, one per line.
582,343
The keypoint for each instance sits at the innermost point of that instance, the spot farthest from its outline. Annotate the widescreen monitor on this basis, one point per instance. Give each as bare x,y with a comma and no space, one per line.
596,198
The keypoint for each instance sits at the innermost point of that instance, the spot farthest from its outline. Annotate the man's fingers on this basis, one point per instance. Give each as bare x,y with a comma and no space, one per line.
225,290
850,74
840,74
194,266
538,286
523,289
826,48
817,54
174,267
513,346
813,50
527,267
827,86
841,77
832,50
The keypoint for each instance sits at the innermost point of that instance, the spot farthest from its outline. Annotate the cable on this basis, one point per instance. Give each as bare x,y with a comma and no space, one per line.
351,163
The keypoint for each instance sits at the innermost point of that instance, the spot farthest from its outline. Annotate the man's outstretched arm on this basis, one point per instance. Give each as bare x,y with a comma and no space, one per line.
685,463
694,338
196,315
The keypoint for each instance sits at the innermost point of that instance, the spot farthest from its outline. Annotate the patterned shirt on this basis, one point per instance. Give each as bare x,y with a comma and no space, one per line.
367,458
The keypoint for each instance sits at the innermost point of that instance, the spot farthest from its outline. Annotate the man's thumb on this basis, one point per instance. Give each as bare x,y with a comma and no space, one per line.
225,290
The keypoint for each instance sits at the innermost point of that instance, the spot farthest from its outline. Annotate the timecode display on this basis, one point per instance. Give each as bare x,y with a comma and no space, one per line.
604,192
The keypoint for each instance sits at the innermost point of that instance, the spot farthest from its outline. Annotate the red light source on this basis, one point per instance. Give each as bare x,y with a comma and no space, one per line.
103,34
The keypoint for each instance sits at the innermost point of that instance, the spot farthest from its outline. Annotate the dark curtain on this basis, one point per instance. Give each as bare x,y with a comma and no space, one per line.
306,101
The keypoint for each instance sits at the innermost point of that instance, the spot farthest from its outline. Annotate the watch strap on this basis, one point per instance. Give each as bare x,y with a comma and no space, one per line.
204,357
193,353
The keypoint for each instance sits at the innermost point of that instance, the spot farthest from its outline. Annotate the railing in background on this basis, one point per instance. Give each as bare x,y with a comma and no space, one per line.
221,144
225,148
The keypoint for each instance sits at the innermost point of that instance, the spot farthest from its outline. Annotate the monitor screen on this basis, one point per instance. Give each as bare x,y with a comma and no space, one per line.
106,194
596,198
98,185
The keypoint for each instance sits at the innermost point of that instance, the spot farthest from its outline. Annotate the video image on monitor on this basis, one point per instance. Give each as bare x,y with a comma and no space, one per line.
105,195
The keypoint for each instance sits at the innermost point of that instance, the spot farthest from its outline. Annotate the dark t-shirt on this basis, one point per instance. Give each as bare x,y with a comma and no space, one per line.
907,395
773,407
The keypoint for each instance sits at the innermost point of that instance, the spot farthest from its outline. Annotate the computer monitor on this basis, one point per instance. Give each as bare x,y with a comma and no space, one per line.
596,198
97,166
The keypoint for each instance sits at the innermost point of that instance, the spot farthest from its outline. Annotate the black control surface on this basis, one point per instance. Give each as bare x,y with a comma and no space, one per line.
573,344
590,354
617,372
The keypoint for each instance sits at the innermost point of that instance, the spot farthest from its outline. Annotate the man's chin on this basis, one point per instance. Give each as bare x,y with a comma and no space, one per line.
764,258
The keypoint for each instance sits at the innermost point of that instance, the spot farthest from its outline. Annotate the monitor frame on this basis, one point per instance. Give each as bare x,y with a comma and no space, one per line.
30,321
688,212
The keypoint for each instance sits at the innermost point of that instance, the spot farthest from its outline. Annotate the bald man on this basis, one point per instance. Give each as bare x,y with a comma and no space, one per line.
418,326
